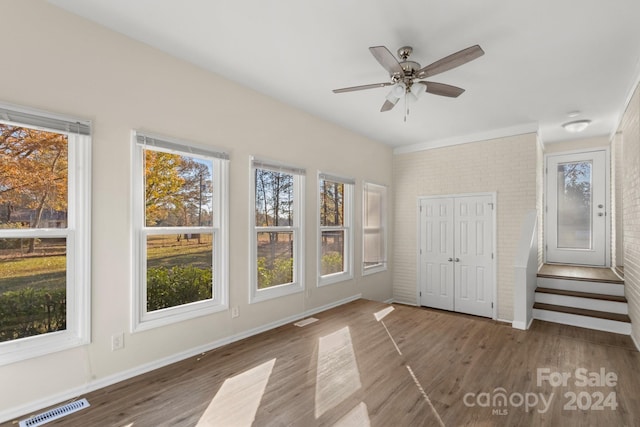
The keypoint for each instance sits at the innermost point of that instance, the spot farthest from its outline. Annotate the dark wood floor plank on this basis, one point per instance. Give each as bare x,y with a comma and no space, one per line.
449,355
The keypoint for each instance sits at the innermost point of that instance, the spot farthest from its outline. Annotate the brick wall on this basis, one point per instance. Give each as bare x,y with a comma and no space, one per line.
630,132
506,166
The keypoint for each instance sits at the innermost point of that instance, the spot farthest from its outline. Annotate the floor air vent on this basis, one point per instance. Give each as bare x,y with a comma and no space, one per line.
55,413
306,322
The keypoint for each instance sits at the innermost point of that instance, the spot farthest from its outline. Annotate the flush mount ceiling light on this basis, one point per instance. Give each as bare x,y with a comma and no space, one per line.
576,126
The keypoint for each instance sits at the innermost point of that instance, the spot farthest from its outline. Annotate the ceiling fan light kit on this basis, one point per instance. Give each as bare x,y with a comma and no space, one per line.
405,76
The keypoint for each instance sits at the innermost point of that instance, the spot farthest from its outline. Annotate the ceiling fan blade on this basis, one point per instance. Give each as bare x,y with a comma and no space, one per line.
443,89
452,61
387,60
363,87
389,104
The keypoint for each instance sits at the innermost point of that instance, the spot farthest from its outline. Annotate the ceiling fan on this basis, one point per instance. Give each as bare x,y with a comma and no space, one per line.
406,75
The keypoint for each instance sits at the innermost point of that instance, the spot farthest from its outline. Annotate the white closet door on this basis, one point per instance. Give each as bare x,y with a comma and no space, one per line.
456,254
473,272
436,258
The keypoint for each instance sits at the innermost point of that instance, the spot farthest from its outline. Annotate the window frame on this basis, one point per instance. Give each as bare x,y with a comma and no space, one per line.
346,227
77,234
297,228
383,191
141,319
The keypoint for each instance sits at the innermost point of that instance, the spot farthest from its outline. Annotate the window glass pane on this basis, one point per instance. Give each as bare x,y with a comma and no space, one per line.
331,203
373,247
574,205
275,258
33,178
33,284
274,198
332,252
178,190
179,269
373,209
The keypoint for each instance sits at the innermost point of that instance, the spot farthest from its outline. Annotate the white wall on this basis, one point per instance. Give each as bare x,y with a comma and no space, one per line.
505,165
58,62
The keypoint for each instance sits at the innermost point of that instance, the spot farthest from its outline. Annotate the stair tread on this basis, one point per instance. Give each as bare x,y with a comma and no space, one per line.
583,312
580,273
590,295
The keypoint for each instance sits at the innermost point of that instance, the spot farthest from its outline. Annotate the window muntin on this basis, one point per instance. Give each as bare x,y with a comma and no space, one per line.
277,233
335,229
374,253
44,234
180,232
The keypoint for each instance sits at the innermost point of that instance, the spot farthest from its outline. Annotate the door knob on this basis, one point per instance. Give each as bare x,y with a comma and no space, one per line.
600,214
601,206
457,260
450,259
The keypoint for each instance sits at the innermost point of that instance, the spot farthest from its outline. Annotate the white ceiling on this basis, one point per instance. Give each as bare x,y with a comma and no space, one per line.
543,58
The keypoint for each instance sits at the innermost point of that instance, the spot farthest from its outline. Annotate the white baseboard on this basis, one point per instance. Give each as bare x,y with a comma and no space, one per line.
389,301
519,325
71,394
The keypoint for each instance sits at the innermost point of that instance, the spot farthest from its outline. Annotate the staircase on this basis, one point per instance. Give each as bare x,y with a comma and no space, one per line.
588,297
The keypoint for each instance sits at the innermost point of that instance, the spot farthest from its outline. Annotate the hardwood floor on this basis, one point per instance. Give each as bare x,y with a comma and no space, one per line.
414,367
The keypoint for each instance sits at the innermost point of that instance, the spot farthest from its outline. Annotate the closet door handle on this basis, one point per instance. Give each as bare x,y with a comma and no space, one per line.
457,260
450,259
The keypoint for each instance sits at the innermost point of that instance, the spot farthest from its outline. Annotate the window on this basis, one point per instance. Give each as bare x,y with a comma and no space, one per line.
45,234
374,224
335,229
277,238
180,238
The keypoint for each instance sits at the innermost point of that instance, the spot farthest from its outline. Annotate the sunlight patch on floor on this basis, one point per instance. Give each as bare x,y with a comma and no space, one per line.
382,313
237,401
357,417
338,376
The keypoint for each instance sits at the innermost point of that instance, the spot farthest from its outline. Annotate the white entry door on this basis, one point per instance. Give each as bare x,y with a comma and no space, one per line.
576,212
456,259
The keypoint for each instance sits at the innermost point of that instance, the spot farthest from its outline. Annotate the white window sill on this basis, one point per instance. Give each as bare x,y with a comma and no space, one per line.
275,292
331,279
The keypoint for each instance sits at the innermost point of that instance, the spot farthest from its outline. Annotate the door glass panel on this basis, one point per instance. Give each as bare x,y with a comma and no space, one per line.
574,205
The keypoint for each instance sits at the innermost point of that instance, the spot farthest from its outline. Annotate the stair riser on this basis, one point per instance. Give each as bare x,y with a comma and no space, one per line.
580,286
583,321
587,303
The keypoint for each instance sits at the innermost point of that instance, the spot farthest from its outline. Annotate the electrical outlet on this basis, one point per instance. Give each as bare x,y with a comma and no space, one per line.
235,312
117,341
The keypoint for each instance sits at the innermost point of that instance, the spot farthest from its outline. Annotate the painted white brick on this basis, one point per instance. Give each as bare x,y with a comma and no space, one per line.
627,171
507,166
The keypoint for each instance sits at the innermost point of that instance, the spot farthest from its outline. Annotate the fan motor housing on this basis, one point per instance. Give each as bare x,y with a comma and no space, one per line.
410,67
